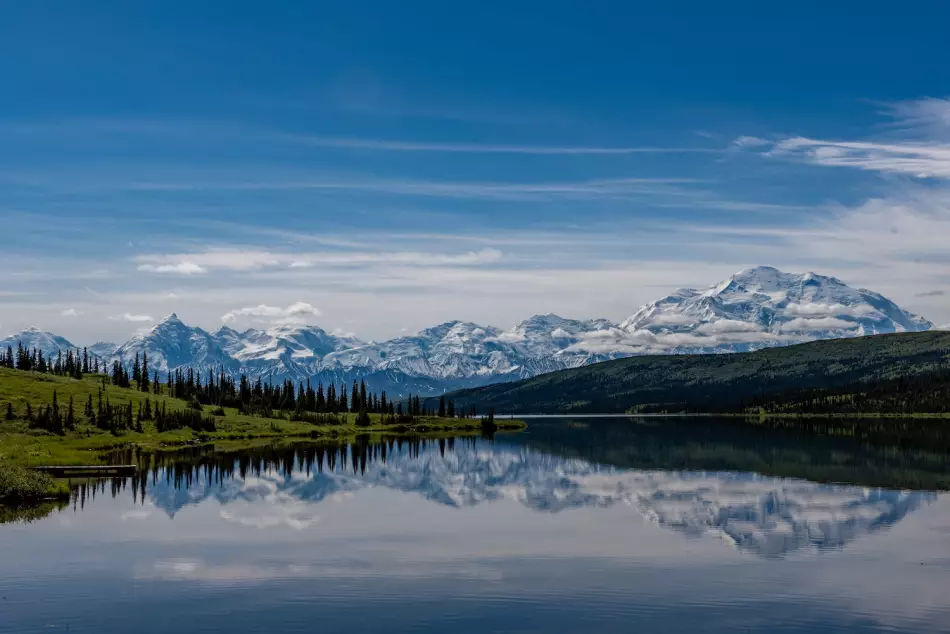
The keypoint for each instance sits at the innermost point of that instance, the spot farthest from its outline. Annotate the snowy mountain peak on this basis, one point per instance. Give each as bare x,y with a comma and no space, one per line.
762,307
33,337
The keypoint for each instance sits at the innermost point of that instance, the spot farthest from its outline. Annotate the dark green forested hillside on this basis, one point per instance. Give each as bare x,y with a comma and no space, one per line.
898,373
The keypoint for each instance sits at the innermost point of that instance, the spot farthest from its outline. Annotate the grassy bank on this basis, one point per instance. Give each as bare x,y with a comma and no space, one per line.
19,486
87,444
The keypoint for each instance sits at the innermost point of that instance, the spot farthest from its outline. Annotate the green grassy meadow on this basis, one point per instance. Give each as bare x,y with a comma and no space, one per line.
89,445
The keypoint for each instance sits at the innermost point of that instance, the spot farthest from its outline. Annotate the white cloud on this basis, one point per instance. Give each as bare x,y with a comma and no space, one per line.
70,312
802,324
130,317
614,340
746,142
294,313
560,333
672,319
184,267
812,309
726,326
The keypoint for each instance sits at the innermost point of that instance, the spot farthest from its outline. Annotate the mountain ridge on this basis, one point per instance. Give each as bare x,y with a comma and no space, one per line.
756,308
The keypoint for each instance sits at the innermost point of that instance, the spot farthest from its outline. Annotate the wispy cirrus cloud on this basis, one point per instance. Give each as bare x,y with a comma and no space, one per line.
918,144
541,190
921,160
479,148
221,131
254,259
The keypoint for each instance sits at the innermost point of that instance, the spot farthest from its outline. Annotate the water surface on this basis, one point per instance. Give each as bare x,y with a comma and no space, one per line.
609,525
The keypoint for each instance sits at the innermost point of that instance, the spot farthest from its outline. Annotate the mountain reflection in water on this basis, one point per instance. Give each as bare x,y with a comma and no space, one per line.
762,515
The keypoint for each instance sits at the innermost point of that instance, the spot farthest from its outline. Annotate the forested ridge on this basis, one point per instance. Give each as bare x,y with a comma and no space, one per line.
906,373
137,399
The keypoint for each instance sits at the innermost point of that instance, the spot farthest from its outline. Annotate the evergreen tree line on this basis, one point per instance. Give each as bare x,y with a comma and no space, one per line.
929,392
72,364
51,417
301,401
106,416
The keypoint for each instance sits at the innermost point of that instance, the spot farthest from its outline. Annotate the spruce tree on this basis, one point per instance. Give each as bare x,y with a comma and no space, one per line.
136,371
9,415
320,404
70,416
143,383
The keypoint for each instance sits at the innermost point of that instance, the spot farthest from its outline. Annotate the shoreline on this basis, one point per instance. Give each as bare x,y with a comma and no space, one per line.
21,448
751,415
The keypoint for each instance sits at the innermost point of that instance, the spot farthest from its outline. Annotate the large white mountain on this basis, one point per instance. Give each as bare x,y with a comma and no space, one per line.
755,308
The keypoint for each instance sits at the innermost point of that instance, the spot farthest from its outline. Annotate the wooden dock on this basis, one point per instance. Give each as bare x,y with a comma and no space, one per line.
93,471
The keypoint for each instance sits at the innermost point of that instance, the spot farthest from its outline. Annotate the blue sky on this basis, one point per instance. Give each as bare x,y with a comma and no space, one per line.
394,165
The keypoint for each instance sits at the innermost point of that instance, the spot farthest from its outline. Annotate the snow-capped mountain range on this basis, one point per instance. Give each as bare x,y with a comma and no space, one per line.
755,308
760,515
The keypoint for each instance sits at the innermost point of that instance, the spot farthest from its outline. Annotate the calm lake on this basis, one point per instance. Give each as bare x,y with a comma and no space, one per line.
586,525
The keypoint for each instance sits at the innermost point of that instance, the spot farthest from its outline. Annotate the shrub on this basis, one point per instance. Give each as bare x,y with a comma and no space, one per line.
19,485
324,418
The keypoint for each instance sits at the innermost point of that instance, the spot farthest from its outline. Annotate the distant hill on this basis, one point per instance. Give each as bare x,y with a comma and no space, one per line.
898,363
